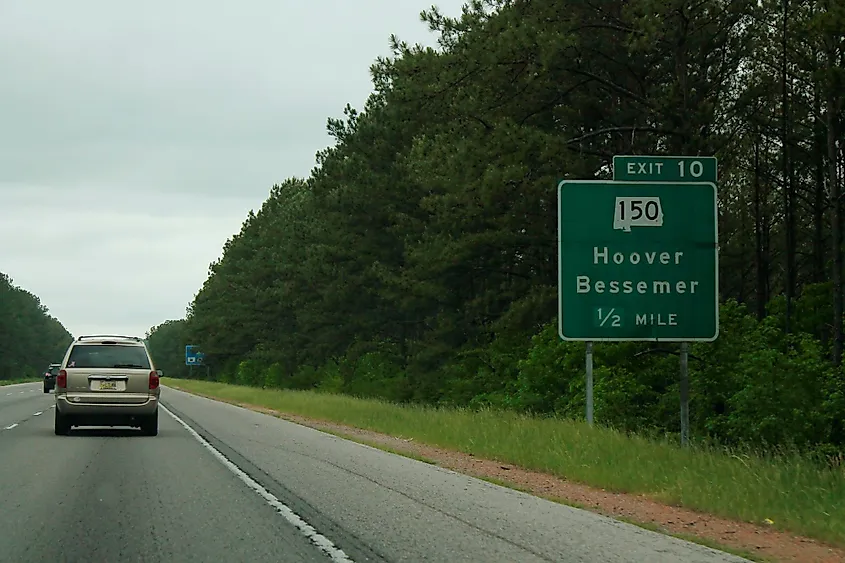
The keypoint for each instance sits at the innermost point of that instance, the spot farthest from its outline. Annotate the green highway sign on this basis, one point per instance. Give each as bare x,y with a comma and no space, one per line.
665,169
638,261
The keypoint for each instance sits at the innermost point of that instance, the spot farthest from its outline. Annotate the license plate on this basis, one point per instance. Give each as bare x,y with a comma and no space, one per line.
108,386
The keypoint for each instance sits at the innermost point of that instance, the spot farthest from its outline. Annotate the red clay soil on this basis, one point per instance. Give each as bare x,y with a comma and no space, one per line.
759,541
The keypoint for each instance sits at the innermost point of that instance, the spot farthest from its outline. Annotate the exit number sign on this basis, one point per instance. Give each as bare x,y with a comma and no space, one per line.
664,169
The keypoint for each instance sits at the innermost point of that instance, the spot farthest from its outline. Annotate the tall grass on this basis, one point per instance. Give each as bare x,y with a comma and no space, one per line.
795,493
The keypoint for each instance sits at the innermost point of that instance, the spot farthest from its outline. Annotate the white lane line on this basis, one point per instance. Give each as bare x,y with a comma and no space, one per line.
8,394
322,542
12,426
37,413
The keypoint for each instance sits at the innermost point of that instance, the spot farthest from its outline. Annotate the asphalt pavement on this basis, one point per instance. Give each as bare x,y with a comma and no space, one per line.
224,484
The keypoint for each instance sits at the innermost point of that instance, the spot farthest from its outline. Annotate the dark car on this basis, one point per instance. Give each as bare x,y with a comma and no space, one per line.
50,377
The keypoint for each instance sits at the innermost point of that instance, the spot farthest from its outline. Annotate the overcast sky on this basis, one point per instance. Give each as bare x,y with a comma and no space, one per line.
136,136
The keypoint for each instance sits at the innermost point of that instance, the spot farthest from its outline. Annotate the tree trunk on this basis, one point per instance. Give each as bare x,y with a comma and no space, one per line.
836,231
760,261
788,187
820,196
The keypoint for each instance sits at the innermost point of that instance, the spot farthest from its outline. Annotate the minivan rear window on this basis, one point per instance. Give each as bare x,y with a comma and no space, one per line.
108,356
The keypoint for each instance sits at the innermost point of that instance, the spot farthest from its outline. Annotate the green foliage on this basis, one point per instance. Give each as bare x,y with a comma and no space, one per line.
754,386
249,372
274,376
30,339
166,343
375,374
417,262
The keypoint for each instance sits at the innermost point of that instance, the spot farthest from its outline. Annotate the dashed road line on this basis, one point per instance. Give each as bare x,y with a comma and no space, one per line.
39,413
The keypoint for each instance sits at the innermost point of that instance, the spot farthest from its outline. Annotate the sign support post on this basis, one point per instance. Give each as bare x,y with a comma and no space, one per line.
684,394
589,383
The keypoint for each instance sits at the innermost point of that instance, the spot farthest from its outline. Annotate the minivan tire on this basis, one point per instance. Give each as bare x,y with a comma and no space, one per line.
61,424
150,426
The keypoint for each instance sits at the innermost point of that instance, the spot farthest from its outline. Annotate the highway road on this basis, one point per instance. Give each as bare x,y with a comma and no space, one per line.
225,484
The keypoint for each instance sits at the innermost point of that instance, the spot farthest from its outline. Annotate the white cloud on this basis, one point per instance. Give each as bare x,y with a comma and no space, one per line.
110,259
136,136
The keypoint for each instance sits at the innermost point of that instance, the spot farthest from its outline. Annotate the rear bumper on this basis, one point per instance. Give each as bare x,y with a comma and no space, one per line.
106,410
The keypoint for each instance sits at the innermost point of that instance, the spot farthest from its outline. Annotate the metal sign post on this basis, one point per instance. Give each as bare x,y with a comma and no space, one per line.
589,383
684,394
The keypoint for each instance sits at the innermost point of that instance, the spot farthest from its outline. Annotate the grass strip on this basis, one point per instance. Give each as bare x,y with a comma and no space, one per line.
793,492
16,381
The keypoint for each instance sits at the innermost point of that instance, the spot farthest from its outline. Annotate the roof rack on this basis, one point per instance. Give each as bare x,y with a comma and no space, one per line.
135,338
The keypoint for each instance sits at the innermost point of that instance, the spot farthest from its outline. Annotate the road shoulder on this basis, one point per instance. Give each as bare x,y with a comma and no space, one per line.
741,538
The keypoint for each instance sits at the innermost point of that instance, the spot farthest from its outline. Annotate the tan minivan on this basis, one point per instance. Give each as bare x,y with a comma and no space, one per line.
107,380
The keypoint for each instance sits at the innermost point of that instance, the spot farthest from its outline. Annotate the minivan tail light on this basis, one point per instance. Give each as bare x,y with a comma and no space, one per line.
154,382
61,379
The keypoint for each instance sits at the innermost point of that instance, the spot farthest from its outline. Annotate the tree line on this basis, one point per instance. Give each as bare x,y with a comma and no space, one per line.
30,338
418,261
